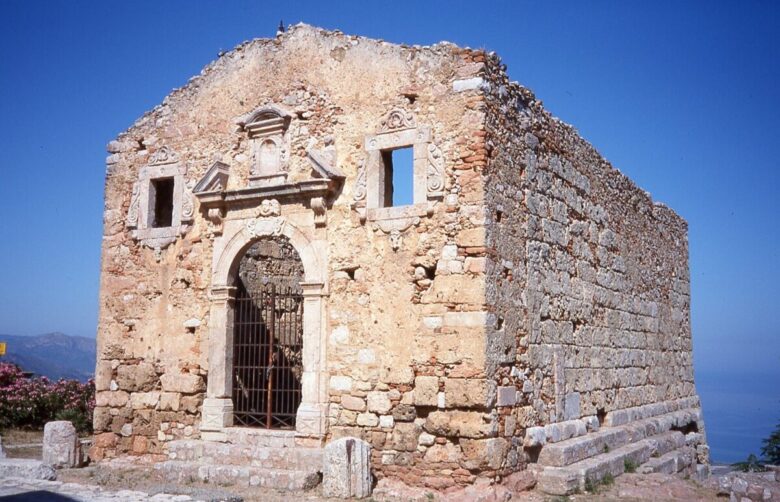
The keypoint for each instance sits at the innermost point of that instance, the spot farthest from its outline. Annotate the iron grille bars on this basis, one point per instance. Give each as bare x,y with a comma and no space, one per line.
267,356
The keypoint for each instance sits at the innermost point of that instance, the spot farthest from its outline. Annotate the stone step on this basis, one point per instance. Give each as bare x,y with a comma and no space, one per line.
177,471
665,442
260,437
670,462
574,477
665,452
207,452
606,439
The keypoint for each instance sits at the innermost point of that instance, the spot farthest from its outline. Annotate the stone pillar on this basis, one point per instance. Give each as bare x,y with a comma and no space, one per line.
2,452
218,405
346,468
311,416
61,446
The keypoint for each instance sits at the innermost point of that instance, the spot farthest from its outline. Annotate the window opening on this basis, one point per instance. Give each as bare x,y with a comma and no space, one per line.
399,176
161,193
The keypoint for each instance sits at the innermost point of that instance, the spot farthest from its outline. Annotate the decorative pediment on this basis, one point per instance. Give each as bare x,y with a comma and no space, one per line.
323,164
215,180
266,120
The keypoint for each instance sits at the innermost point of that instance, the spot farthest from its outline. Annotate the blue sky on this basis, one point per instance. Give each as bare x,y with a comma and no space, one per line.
684,97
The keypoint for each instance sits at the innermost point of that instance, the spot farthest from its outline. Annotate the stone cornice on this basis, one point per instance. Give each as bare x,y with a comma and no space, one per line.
302,190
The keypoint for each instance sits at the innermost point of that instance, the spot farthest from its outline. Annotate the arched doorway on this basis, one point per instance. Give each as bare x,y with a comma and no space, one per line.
268,335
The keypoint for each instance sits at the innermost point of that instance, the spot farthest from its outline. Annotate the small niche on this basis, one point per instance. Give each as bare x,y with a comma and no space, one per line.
601,415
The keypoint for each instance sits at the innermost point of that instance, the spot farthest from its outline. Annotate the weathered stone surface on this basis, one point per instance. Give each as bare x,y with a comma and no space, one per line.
404,436
346,468
353,403
2,451
468,393
61,446
426,390
481,453
113,399
186,383
136,377
404,413
26,468
447,452
379,402
467,424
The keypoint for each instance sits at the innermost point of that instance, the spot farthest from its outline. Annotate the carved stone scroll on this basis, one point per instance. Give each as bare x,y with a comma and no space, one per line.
396,120
132,212
359,193
435,171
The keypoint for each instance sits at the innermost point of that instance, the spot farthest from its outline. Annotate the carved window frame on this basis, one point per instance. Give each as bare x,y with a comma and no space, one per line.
162,165
399,130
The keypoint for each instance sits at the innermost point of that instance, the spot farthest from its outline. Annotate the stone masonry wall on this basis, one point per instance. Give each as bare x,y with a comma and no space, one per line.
405,327
542,285
587,275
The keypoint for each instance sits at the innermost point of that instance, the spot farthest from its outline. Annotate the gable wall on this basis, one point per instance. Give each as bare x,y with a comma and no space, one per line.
405,342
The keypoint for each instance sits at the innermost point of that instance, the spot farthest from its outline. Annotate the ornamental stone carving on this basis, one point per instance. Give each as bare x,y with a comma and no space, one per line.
397,120
359,193
269,207
398,129
163,156
269,144
188,204
132,212
435,172
265,226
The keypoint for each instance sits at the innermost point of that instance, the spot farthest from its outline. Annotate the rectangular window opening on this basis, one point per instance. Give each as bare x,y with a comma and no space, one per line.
399,176
161,202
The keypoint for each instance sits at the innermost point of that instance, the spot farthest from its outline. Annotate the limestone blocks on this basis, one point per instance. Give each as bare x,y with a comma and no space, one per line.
61,446
346,468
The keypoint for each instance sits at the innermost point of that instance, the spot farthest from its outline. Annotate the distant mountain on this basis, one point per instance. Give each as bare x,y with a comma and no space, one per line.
54,355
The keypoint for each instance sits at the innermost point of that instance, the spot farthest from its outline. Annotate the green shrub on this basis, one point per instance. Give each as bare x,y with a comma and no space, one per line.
752,464
31,402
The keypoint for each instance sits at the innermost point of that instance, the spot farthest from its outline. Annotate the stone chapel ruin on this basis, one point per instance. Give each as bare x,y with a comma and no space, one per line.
262,295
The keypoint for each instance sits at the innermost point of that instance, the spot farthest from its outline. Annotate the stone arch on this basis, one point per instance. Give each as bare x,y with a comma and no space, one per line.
227,264
218,407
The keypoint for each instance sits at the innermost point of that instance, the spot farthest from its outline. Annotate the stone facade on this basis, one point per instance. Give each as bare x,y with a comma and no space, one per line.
530,293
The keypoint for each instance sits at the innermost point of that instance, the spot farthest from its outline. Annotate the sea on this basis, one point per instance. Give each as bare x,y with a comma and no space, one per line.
740,410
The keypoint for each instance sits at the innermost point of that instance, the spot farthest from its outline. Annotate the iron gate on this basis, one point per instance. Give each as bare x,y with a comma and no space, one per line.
267,356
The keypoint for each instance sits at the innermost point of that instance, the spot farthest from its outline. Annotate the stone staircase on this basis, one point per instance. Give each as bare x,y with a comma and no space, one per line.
244,457
654,444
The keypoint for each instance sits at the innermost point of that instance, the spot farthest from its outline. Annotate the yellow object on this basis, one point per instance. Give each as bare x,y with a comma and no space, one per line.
2,348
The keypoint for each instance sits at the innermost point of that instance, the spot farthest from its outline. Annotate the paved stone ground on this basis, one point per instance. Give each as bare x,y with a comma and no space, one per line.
18,490
631,487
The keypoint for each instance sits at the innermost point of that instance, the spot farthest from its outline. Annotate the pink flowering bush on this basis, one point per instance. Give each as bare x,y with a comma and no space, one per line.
31,402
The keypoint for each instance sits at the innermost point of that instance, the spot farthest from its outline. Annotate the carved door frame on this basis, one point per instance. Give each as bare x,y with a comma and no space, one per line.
237,237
